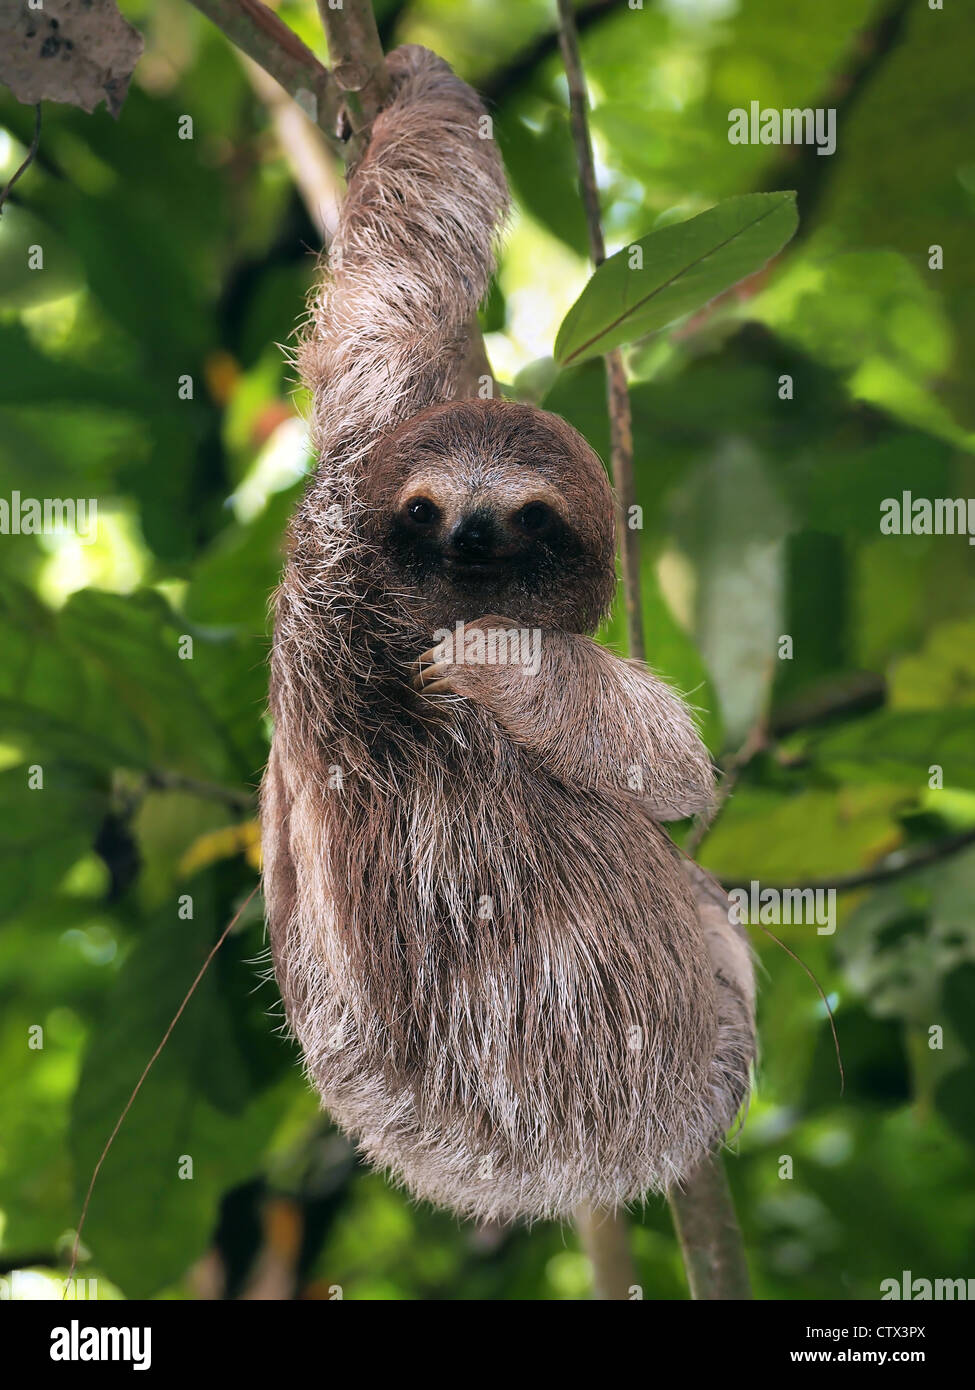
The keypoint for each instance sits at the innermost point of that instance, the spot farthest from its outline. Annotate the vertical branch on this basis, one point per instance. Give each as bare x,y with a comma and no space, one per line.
620,420
604,1235
621,463
605,1239
703,1212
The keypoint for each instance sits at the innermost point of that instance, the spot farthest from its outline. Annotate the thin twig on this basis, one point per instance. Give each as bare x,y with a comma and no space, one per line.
159,779
28,161
756,741
822,995
146,1070
895,866
267,40
620,418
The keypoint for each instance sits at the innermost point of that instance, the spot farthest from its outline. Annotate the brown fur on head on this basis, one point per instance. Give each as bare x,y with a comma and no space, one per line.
491,506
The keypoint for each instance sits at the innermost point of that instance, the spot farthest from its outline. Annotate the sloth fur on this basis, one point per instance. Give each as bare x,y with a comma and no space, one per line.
507,986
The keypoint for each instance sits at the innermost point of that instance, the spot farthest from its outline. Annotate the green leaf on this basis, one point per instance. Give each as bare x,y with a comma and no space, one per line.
45,829
812,834
102,683
959,1002
683,267
204,1100
891,746
731,523
955,1102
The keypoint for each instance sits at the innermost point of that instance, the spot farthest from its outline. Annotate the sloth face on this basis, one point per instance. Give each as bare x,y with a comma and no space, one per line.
488,506
479,532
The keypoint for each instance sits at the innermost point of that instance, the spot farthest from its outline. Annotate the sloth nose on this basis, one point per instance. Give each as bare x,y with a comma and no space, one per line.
473,537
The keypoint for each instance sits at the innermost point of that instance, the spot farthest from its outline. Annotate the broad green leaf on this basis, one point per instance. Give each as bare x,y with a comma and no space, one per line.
203,1100
683,267
790,839
891,746
48,820
955,1100
102,683
731,524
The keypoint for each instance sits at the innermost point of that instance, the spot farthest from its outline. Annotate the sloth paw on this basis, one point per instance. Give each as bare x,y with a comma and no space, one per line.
452,667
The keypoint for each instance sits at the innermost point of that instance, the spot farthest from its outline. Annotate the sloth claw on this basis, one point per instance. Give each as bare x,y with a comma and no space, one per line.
431,673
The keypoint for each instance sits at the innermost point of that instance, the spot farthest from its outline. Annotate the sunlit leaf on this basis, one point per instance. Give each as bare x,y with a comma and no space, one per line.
675,271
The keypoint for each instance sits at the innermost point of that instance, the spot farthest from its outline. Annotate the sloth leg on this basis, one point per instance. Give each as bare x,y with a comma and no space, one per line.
734,974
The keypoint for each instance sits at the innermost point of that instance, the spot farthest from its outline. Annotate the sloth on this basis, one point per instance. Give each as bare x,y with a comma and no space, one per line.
507,986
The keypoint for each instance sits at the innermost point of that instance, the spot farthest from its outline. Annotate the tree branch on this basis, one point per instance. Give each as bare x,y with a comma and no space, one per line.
896,865
710,1240
267,41
754,744
603,1233
28,160
798,167
603,1236
358,67
756,741
159,779
620,418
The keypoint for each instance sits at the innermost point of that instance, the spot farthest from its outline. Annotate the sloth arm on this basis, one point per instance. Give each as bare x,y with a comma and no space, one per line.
409,263
387,336
591,718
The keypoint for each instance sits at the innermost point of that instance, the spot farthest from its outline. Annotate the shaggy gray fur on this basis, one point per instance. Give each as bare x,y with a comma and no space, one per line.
490,952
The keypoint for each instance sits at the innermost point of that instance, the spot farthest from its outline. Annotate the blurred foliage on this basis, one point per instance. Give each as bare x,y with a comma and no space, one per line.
133,678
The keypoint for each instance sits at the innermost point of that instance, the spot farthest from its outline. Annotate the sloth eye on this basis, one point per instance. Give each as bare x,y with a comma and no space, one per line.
422,511
533,518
